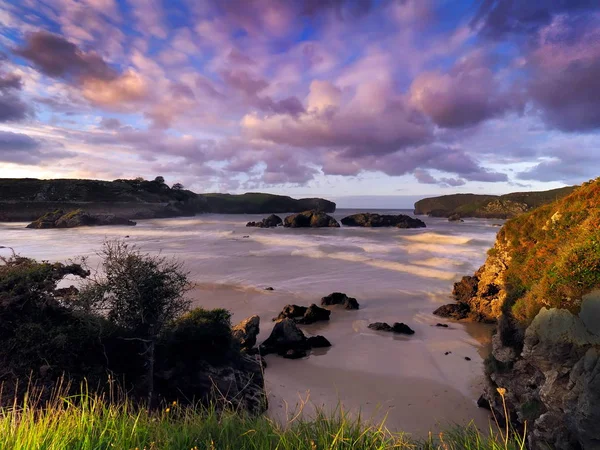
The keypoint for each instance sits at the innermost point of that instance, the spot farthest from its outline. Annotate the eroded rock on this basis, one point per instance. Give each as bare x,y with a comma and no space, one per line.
246,331
310,219
382,220
339,298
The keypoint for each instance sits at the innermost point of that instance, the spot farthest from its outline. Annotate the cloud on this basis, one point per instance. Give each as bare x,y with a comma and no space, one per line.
467,95
12,107
565,66
56,57
19,148
498,17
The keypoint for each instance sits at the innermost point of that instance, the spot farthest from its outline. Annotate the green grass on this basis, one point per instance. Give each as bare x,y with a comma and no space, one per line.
86,422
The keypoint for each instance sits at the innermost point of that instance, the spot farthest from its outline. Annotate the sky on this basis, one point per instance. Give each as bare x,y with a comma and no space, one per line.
355,100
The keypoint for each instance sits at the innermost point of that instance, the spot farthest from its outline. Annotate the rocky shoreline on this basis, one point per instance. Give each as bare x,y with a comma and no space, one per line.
546,368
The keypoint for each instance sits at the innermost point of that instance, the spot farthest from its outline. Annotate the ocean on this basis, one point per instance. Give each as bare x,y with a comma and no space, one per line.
418,382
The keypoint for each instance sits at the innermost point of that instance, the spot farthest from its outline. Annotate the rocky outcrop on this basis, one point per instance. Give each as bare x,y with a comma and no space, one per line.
318,342
310,219
455,217
246,331
480,297
554,382
77,218
289,341
397,327
382,220
286,339
269,222
339,298
303,315
541,284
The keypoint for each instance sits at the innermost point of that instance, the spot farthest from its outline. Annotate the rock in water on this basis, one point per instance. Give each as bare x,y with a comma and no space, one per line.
285,336
269,222
380,326
314,314
382,220
77,218
318,342
455,218
246,331
456,311
339,298
291,312
310,219
400,328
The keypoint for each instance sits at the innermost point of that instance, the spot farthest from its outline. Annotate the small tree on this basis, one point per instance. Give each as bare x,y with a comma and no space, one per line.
140,293
177,186
159,180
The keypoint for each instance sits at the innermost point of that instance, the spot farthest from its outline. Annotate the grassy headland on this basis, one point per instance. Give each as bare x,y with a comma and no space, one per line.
488,206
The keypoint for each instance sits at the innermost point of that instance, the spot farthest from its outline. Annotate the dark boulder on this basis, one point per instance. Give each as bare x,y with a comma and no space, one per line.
310,219
294,353
339,298
380,326
269,289
442,325
315,313
400,328
291,312
382,220
269,222
304,315
285,336
318,342
455,217
456,311
246,331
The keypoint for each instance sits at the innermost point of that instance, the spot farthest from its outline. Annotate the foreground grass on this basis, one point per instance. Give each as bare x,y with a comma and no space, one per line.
89,422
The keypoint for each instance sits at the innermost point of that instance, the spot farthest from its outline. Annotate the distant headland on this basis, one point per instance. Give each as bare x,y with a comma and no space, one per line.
27,199
488,206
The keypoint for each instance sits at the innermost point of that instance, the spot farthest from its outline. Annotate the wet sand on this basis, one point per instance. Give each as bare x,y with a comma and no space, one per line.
408,380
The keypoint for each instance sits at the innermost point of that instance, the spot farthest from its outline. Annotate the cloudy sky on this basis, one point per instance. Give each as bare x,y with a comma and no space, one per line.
317,97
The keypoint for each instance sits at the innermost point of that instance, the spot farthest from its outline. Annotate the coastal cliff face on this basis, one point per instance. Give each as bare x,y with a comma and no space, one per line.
541,284
487,206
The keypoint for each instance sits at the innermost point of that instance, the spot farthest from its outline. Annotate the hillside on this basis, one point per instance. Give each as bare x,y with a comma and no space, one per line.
27,199
541,283
258,203
488,206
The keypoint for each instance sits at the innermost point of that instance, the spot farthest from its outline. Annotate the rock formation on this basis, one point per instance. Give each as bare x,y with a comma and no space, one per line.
310,219
269,222
339,298
541,284
303,315
77,218
289,341
382,220
246,331
397,327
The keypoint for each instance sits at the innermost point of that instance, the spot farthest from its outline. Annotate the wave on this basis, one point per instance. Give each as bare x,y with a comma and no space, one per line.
379,263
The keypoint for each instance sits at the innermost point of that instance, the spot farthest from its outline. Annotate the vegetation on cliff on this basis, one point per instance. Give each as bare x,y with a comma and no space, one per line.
488,206
554,254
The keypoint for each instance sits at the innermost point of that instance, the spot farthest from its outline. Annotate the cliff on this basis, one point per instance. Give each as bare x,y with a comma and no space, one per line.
488,206
541,283
27,199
